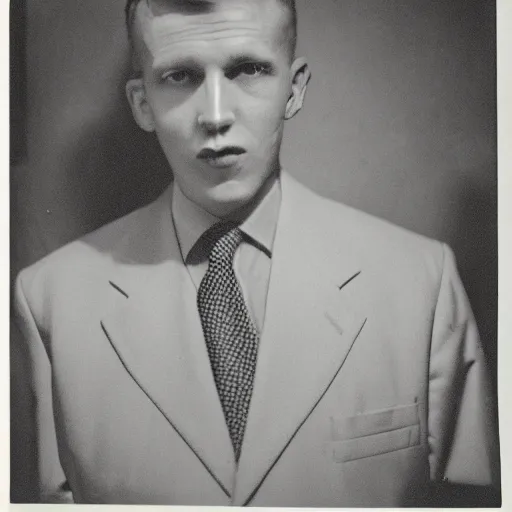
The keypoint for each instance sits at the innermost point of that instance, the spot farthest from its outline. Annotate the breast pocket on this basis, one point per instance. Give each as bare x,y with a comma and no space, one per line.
375,433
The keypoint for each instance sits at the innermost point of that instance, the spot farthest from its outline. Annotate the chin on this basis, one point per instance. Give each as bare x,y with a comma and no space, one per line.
231,196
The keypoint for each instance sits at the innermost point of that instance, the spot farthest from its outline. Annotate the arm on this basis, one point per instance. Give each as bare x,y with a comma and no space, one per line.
462,434
34,370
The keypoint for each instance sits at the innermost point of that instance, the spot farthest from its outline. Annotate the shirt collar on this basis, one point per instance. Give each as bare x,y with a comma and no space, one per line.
191,221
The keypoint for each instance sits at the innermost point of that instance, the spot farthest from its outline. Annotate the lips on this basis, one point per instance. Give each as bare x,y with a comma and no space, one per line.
227,157
216,154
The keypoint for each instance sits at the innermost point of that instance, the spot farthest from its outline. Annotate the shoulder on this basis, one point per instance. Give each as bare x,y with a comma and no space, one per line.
87,258
386,240
390,260
395,255
373,238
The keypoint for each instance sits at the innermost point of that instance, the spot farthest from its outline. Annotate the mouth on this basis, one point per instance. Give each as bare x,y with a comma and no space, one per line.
223,157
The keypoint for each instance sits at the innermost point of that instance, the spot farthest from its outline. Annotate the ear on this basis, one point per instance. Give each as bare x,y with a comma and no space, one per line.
141,110
301,75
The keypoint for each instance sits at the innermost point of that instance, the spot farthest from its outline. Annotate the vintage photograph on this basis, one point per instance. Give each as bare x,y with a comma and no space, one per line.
254,253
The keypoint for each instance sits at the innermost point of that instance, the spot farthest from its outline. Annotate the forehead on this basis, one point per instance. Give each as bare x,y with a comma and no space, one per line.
175,29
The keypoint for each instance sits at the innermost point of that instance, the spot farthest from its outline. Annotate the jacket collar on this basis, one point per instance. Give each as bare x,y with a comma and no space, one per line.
310,327
191,221
159,341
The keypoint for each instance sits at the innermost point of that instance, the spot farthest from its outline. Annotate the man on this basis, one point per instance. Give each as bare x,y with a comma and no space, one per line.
242,341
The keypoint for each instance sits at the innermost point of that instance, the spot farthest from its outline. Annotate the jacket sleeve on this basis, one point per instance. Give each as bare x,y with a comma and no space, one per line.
461,417
48,483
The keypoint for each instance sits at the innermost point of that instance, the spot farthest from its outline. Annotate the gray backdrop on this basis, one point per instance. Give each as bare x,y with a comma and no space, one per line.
400,121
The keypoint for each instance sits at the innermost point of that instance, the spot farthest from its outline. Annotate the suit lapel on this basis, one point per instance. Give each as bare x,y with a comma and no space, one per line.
309,330
160,343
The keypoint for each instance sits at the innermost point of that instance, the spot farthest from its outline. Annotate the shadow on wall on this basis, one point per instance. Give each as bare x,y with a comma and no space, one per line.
87,162
473,237
114,165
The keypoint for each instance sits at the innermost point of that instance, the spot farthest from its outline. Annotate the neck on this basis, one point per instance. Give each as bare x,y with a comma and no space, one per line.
242,213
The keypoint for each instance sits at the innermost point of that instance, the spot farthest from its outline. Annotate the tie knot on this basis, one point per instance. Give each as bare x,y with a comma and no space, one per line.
223,238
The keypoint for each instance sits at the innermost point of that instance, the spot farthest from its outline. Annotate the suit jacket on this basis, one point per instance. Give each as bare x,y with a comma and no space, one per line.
370,379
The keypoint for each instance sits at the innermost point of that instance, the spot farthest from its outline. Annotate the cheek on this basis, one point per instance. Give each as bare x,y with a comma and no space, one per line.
266,129
266,116
174,126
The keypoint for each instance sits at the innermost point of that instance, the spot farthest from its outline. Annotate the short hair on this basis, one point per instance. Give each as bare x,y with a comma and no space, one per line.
290,33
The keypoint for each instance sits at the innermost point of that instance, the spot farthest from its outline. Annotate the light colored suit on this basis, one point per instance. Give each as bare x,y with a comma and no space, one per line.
370,378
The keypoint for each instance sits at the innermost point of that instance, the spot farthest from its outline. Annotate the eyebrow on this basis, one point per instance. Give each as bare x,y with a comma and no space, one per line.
192,63
244,58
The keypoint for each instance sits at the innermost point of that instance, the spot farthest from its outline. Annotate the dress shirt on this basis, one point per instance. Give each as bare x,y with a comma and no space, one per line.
253,258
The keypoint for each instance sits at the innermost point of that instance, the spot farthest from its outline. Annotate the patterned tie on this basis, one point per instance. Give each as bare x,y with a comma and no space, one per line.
231,336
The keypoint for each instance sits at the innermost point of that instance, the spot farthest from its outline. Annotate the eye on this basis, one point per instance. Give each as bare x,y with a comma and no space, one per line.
252,69
249,69
178,77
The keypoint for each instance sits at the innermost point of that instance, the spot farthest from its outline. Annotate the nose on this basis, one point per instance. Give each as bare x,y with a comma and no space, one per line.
216,115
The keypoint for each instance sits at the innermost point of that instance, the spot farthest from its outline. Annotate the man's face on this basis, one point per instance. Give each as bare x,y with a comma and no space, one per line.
216,88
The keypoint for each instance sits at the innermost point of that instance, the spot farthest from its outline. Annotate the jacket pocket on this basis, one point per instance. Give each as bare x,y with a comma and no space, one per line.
375,433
